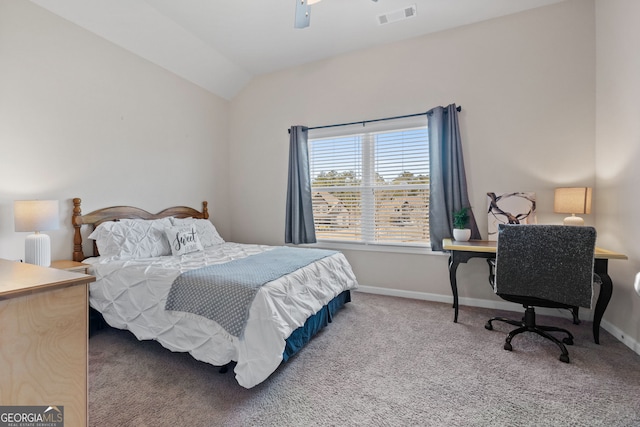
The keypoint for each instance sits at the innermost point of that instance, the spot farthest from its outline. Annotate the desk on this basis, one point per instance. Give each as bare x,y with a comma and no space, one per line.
464,251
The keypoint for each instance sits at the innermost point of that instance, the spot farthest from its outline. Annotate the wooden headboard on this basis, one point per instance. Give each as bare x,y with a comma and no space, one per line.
116,213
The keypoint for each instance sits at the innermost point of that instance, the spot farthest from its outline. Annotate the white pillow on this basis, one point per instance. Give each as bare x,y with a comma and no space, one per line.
206,230
183,239
132,238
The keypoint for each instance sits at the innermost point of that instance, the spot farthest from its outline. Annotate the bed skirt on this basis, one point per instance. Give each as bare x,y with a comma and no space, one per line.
301,336
298,338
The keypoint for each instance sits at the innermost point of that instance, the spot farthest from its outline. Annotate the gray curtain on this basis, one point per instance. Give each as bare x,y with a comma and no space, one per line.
448,183
299,226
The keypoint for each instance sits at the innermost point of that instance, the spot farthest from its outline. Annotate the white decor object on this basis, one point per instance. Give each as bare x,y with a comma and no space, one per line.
637,283
572,200
509,208
36,216
461,234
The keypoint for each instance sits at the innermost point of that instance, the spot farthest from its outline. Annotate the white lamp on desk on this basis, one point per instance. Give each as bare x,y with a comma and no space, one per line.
36,216
572,200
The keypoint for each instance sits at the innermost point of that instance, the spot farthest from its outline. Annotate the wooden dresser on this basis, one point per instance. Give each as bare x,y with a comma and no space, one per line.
44,338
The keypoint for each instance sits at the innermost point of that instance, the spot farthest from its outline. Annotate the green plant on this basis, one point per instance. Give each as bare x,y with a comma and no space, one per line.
461,218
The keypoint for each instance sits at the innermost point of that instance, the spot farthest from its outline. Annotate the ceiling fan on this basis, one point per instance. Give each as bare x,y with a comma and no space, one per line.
303,13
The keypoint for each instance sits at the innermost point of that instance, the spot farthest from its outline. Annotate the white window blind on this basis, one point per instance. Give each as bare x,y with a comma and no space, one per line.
371,184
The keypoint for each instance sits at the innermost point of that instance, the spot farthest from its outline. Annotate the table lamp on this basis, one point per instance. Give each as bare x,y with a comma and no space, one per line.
572,200
36,216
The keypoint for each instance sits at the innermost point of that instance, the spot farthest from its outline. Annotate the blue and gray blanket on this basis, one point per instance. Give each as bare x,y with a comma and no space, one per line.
224,292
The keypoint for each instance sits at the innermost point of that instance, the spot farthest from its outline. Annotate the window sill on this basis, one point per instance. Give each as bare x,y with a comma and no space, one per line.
339,246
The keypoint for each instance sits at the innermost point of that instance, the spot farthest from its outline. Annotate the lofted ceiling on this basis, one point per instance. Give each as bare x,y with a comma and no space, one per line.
221,45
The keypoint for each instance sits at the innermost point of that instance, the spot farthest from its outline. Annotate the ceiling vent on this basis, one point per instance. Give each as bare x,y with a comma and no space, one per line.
398,15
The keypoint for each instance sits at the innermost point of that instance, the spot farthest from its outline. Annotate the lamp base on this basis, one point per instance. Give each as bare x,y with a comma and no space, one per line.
573,220
37,249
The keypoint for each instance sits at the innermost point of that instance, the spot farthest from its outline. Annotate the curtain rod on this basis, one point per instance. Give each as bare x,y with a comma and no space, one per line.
458,108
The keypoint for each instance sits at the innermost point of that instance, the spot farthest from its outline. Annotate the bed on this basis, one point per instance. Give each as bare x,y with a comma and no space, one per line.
140,261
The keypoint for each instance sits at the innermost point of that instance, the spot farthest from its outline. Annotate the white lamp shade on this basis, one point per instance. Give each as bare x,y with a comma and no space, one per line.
572,200
36,215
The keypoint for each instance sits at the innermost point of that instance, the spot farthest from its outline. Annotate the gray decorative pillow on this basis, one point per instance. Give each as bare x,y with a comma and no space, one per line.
206,230
183,239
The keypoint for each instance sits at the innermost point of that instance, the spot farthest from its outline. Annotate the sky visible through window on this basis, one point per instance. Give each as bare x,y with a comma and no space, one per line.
395,153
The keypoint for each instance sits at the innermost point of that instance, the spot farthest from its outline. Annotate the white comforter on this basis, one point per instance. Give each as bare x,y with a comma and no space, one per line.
131,294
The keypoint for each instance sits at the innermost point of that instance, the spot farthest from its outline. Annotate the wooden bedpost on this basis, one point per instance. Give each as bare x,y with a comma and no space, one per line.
76,220
205,210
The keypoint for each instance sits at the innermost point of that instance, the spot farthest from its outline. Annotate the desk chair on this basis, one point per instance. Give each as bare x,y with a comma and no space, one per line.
543,266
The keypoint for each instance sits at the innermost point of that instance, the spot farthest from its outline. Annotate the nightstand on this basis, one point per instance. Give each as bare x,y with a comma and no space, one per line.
78,267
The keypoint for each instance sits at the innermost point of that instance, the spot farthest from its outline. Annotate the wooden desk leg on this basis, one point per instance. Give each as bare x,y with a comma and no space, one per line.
606,290
453,267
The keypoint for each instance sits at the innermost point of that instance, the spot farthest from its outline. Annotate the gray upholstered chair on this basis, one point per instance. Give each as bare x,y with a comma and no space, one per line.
543,266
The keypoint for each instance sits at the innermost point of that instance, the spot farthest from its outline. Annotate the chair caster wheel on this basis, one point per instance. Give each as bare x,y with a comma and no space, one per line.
564,358
568,341
507,346
488,326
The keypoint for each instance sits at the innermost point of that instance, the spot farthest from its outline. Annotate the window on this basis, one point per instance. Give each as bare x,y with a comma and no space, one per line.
371,186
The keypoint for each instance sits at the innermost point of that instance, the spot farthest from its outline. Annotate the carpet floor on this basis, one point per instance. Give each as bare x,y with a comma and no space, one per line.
384,361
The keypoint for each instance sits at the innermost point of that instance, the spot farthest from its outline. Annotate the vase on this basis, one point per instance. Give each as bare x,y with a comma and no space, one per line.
461,234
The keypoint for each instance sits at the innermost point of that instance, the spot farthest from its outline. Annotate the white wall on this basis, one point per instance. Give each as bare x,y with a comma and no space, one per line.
80,117
526,84
618,154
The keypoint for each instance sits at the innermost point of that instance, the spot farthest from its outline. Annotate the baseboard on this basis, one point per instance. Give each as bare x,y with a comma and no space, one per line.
585,314
620,335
